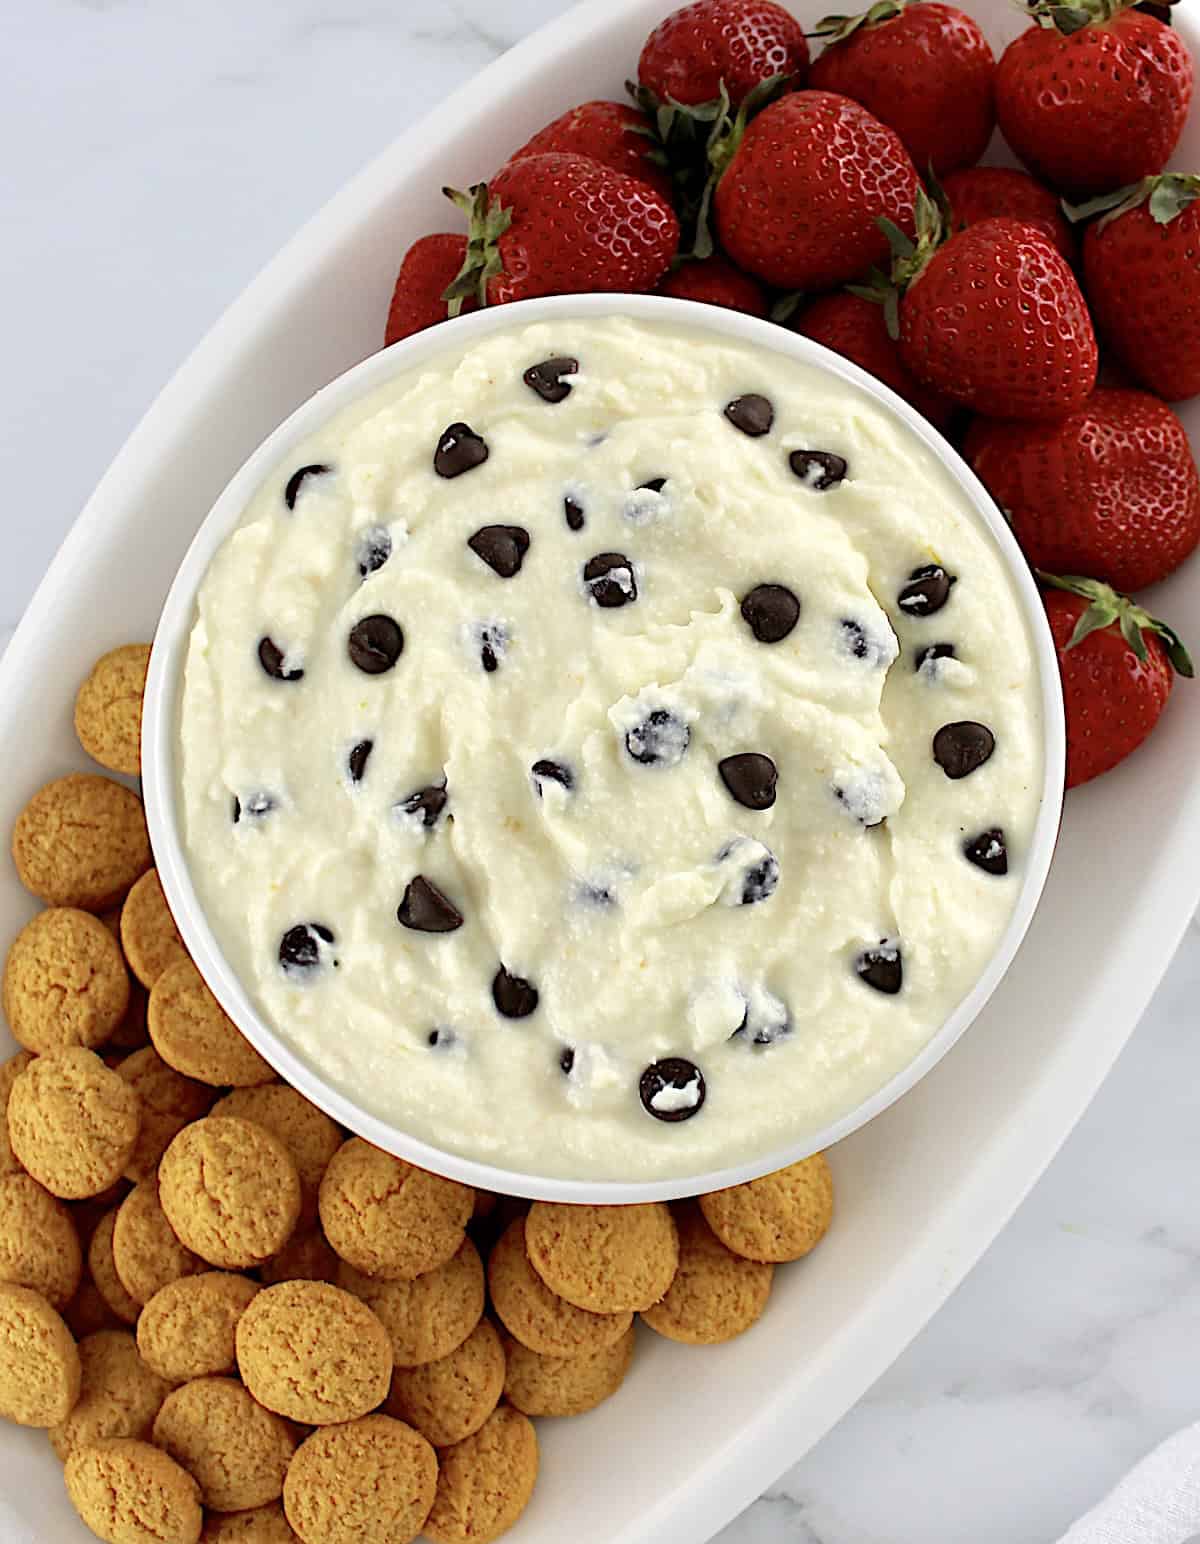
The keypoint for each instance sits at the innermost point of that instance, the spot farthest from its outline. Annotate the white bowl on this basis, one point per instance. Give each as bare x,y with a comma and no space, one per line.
160,739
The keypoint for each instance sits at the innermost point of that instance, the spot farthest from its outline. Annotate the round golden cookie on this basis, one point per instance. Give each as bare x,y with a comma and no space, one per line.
237,1452
313,1353
147,1252
537,1317
370,1481
449,1399
262,1525
716,1294
65,982
39,1361
778,1217
128,1492
10,1071
604,1258
39,1246
388,1218
307,1133
73,1123
188,1329
230,1190
87,1313
305,1257
485,1481
102,1268
149,936
108,708
81,841
194,1034
169,1102
119,1395
564,1385
425,1318
133,1032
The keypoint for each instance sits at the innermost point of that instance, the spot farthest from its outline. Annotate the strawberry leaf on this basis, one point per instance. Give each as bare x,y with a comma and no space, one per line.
836,29
1107,607
786,305
1171,196
1166,196
486,223
902,246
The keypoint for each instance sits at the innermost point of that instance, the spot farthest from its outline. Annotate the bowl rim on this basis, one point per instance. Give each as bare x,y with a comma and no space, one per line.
164,682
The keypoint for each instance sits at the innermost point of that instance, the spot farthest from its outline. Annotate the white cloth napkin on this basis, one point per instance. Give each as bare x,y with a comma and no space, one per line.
1158,1502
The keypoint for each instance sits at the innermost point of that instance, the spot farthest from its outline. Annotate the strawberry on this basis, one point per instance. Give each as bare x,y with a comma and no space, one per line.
737,43
561,225
992,316
1094,95
1142,277
1110,490
799,201
991,192
419,299
717,282
612,133
1116,664
855,328
923,69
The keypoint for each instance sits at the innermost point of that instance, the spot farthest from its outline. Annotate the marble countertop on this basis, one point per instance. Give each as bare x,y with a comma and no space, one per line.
178,146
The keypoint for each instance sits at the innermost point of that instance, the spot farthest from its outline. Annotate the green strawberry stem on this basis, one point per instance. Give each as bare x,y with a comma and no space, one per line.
695,143
836,29
1068,16
486,223
909,257
1106,608
1166,196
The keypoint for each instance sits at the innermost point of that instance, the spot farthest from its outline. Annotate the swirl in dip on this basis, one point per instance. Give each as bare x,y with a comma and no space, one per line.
610,750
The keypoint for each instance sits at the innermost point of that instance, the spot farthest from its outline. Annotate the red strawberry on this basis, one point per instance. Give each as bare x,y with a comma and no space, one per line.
855,328
799,201
739,42
992,192
1142,276
1116,664
992,317
717,282
562,225
419,299
924,70
612,133
1109,490
1093,95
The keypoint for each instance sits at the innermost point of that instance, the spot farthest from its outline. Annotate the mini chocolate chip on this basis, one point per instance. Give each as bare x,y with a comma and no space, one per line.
854,637
271,658
610,580
440,1037
596,895
256,805
761,881
292,492
752,414
818,469
660,739
750,778
863,800
765,1021
566,1060
988,851
672,1089
961,748
933,651
375,644
300,946
374,549
573,510
515,998
928,590
554,772
357,759
882,968
425,909
459,450
655,485
770,611
547,378
491,639
428,803
237,809
501,547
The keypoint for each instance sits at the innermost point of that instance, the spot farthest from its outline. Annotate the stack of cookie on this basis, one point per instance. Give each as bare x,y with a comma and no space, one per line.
235,1322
